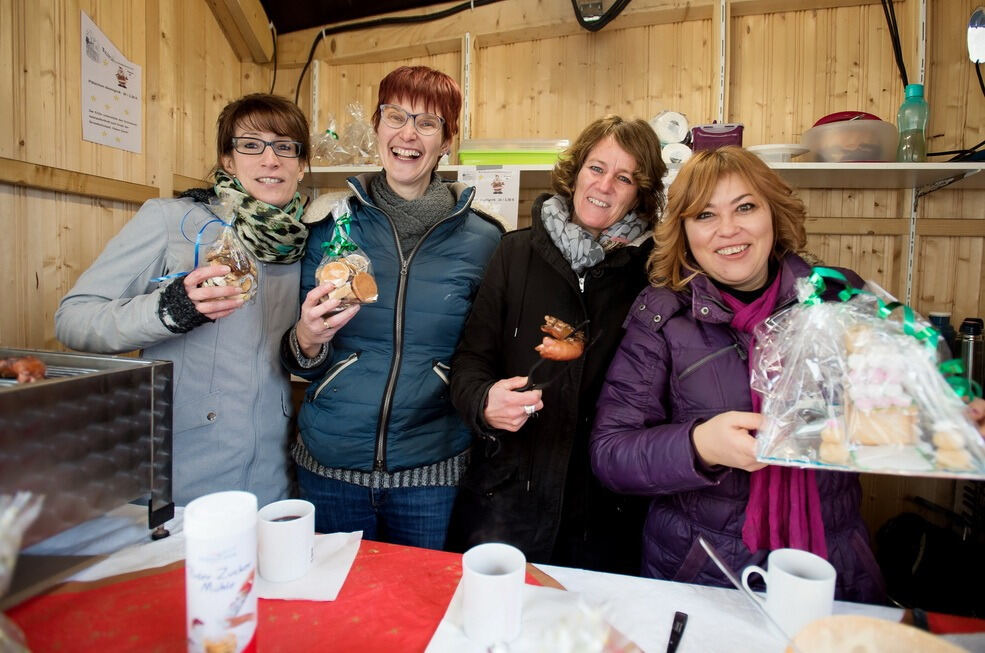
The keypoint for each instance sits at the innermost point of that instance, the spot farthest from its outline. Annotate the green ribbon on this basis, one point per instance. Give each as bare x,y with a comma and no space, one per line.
816,279
340,243
929,335
952,370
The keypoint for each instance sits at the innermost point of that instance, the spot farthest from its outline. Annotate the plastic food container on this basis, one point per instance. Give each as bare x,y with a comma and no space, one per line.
857,137
510,152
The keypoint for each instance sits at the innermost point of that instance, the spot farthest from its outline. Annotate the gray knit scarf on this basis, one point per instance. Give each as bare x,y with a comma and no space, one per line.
579,247
412,218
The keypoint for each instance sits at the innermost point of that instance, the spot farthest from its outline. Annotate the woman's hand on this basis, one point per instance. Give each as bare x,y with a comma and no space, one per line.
725,440
975,410
317,325
507,409
211,301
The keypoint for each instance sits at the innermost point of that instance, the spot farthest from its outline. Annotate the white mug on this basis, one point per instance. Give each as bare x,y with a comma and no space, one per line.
492,586
800,587
286,539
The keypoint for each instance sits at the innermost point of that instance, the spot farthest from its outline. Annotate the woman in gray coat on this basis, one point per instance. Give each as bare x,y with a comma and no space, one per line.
232,399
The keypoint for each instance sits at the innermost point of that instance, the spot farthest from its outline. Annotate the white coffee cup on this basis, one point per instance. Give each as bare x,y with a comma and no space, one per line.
800,587
492,586
286,539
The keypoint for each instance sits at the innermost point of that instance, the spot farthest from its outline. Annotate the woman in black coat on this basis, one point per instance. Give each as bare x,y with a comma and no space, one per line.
529,482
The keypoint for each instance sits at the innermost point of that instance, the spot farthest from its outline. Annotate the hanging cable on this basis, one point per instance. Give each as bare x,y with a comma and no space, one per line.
981,84
890,12
380,22
273,32
961,154
603,20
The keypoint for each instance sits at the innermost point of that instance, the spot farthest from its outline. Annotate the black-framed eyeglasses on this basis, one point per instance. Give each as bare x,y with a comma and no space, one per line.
251,145
425,123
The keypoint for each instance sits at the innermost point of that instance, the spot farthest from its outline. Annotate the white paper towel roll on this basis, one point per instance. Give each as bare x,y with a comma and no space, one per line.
670,126
220,569
675,154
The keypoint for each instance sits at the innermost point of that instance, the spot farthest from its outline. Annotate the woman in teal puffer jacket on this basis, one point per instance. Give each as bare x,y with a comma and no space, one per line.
381,448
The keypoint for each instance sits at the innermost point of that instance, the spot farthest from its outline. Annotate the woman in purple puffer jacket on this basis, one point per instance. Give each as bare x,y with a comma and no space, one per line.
676,415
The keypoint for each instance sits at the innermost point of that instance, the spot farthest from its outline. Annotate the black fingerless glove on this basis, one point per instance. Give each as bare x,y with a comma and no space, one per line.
177,311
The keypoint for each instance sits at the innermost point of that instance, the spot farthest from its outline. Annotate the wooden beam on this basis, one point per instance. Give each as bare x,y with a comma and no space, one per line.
859,226
955,227
181,183
509,21
59,180
246,27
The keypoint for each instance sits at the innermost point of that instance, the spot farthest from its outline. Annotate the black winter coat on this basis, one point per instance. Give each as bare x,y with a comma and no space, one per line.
534,488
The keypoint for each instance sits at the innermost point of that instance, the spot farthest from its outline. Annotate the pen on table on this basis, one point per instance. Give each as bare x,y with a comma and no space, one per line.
676,631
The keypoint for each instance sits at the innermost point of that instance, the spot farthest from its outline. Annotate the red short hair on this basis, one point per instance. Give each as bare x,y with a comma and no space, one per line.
434,89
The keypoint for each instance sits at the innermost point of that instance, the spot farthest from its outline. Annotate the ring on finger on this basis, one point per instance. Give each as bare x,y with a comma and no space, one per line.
529,409
328,327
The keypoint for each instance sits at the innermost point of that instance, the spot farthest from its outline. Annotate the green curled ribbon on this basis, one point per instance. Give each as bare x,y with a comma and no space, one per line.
816,279
929,335
340,243
953,372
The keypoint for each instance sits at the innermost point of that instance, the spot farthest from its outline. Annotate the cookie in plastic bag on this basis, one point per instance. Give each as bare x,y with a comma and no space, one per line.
228,250
347,266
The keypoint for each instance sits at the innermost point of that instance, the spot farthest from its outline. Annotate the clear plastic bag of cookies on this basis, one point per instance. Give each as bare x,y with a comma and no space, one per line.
856,384
228,249
346,266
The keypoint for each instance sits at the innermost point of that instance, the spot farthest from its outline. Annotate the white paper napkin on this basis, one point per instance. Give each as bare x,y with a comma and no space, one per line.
551,618
334,555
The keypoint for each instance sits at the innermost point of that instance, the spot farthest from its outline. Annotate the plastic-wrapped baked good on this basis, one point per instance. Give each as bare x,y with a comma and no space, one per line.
243,272
849,385
346,266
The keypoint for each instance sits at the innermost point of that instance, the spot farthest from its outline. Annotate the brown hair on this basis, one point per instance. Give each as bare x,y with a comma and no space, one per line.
434,89
261,112
638,139
671,263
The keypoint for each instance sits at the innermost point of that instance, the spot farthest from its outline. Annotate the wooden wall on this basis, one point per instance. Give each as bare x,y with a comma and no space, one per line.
49,237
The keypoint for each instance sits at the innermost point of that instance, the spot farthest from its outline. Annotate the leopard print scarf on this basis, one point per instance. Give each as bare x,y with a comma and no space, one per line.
271,234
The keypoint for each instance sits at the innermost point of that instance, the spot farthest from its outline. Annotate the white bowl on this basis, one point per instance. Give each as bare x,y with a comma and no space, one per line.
778,152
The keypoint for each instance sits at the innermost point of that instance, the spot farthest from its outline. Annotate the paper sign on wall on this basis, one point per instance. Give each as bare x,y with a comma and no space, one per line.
111,92
497,190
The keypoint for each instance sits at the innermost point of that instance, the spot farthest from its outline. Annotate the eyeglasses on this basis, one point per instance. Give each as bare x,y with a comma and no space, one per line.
426,124
254,146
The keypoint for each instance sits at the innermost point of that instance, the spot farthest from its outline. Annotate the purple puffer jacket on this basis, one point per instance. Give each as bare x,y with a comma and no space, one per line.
680,363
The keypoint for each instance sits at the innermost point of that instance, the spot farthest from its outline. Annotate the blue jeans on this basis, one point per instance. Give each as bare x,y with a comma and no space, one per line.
415,516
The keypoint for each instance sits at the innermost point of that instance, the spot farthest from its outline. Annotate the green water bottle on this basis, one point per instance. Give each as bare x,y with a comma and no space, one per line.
912,123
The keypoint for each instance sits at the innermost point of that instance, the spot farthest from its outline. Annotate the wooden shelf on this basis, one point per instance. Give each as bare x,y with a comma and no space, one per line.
799,175
880,175
532,176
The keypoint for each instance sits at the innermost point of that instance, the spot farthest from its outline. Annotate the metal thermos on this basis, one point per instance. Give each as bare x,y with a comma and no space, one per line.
970,344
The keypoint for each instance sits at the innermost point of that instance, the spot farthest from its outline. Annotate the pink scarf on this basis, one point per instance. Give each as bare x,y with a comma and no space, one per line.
784,507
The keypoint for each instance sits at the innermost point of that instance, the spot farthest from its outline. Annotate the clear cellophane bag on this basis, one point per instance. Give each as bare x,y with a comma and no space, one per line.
857,384
345,265
228,249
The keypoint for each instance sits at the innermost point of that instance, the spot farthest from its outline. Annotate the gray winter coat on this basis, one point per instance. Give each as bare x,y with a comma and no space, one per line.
681,363
232,398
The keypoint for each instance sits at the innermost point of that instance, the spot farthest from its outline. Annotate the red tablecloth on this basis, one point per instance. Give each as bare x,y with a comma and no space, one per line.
392,601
